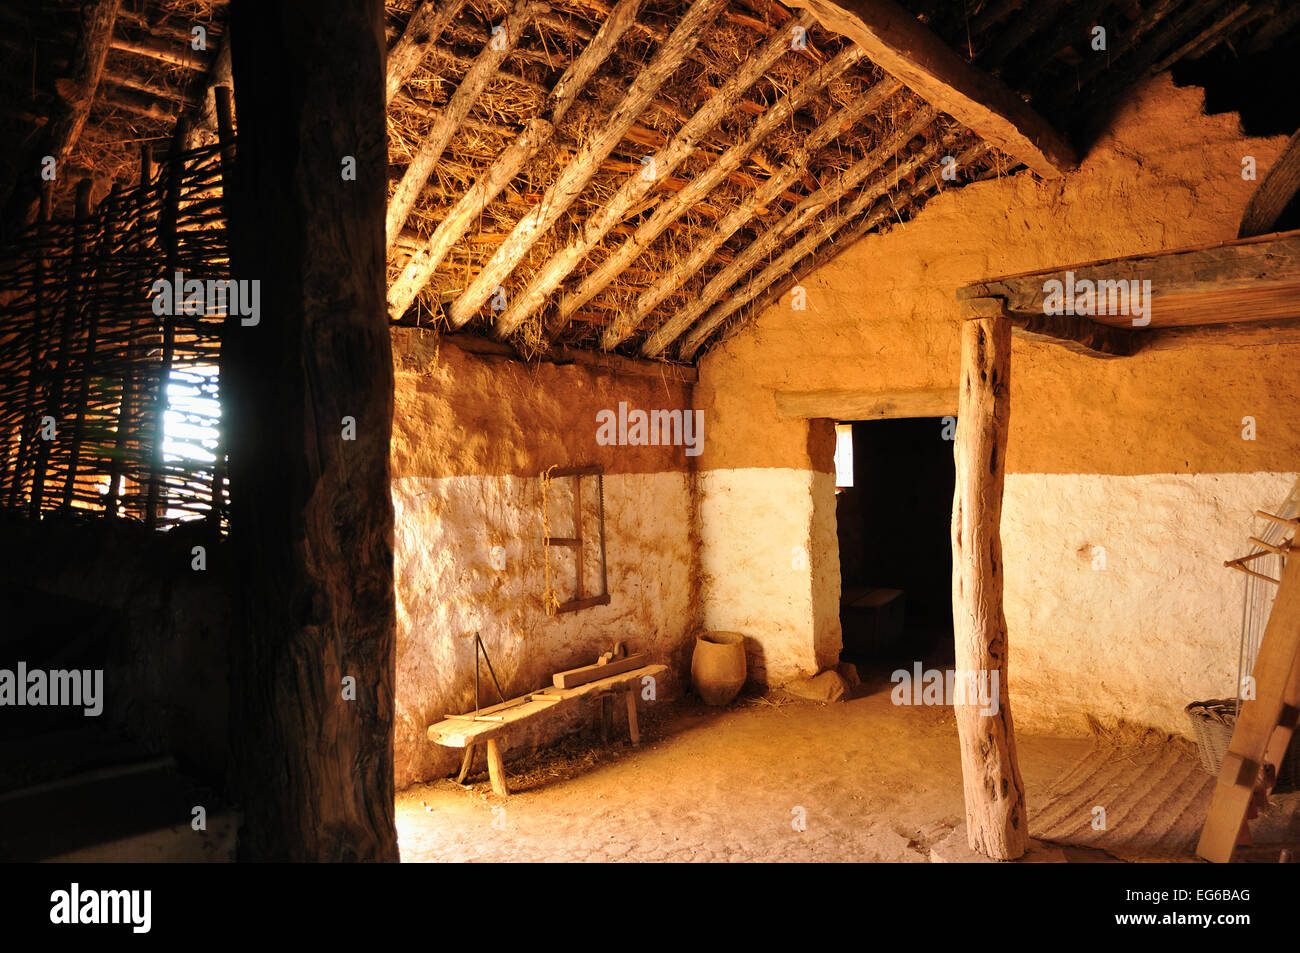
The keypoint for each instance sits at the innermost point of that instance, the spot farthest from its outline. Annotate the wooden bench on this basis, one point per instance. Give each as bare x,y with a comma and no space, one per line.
490,726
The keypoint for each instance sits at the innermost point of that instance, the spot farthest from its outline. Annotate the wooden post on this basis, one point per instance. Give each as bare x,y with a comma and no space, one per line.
94,293
72,304
30,448
225,105
127,399
996,820
170,240
311,514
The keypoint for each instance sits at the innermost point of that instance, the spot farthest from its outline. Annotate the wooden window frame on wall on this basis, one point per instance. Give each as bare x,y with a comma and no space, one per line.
581,600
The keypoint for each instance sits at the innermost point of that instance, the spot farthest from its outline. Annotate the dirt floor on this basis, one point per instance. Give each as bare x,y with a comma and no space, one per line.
871,782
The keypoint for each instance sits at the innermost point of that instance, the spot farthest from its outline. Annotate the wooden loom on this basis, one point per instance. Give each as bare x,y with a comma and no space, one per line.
1266,722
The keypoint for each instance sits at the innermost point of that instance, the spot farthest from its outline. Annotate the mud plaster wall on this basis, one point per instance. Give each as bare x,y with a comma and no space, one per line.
1144,456
471,435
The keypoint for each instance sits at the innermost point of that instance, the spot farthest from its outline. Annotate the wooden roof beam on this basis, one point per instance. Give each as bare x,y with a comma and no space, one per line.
582,168
639,184
447,121
422,31
74,95
701,185
746,210
1273,193
1253,279
174,54
903,47
772,237
426,260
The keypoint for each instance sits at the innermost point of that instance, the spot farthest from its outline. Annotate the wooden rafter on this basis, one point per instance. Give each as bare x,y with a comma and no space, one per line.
704,250
179,53
808,243
902,46
700,186
422,265
74,95
639,184
447,121
580,170
422,31
658,340
1274,193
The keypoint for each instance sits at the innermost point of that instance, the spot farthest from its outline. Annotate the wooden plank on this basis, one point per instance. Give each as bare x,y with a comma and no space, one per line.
1080,335
903,47
1249,334
575,176
1274,674
996,815
1250,279
1274,192
574,605
455,733
866,405
590,673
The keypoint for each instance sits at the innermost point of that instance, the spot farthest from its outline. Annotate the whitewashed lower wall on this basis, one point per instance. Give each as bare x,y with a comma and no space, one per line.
447,588
769,566
1158,627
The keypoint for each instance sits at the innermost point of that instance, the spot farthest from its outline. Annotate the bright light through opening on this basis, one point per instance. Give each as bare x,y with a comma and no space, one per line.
843,455
193,415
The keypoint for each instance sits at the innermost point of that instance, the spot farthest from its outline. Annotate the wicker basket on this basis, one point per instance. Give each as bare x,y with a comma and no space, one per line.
1212,723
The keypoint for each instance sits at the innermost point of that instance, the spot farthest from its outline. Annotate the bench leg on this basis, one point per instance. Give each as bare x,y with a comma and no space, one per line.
496,768
466,762
633,730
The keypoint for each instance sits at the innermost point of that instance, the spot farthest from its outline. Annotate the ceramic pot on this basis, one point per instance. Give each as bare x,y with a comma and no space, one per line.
718,666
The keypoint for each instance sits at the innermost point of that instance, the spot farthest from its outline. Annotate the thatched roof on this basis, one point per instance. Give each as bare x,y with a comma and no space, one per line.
618,207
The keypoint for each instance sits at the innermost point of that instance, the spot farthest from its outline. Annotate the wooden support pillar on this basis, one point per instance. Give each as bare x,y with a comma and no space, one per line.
996,820
311,515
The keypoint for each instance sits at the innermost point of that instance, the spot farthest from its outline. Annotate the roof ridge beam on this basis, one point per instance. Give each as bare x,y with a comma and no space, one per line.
903,47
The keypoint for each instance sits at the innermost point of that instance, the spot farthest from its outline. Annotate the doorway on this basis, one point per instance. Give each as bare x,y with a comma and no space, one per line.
893,524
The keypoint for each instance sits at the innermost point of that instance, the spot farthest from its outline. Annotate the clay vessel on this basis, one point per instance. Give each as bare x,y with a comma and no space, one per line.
718,666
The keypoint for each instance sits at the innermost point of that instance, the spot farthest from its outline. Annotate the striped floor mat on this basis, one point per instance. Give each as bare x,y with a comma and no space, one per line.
1155,798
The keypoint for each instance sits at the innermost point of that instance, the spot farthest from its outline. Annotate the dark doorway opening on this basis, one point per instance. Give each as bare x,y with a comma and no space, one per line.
895,551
